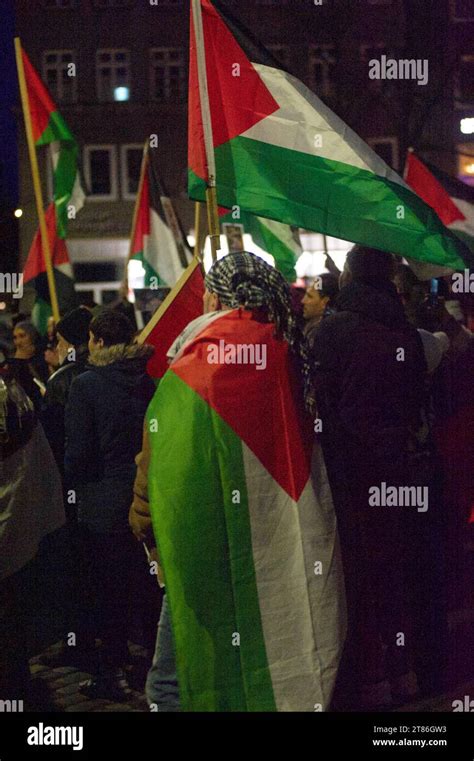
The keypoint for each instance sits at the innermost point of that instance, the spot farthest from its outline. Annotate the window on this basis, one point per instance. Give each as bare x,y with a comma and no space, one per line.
100,171
113,74
130,165
386,148
167,73
466,163
465,78
379,2
59,75
59,3
463,10
281,53
322,62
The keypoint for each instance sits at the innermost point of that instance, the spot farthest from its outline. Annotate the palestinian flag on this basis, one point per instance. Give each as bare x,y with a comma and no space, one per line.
35,278
281,153
159,242
49,128
247,539
180,307
281,241
452,200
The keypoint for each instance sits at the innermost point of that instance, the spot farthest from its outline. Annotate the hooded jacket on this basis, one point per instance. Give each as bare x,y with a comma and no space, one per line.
104,419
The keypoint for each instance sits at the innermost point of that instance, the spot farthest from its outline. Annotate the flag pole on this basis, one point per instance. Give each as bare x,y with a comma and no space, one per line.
36,180
197,230
136,208
211,194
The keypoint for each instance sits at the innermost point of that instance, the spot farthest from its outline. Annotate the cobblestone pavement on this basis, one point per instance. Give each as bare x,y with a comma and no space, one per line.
57,689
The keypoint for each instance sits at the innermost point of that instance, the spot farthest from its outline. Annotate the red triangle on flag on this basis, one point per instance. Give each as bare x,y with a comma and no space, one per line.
180,307
238,98
41,105
423,182
35,263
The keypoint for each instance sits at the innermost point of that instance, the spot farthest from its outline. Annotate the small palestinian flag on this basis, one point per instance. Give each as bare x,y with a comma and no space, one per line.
245,525
49,128
35,278
281,241
159,243
281,153
452,200
180,307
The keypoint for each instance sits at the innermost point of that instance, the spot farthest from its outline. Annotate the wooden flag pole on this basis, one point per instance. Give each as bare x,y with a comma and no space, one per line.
136,208
211,194
198,230
36,180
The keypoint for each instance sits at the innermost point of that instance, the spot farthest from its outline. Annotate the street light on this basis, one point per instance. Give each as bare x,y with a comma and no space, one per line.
467,125
18,213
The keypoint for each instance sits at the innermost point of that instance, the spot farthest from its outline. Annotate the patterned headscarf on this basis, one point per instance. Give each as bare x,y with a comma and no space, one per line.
242,280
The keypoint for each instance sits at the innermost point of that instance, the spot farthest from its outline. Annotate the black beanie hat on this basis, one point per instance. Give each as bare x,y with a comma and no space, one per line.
74,326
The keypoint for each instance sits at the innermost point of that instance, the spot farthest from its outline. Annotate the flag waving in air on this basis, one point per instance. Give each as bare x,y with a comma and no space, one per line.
452,200
159,241
34,274
49,128
282,154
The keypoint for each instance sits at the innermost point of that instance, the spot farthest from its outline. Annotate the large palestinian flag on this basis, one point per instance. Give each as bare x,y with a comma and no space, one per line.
452,200
247,539
159,242
281,241
35,278
281,153
49,128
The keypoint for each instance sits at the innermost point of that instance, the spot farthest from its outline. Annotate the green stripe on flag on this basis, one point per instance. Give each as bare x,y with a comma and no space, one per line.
351,203
205,546
263,236
56,129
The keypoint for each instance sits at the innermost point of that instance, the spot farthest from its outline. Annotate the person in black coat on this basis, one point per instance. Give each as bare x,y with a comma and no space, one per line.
73,336
369,372
104,422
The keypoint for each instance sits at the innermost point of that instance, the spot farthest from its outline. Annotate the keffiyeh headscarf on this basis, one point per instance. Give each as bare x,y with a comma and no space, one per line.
243,280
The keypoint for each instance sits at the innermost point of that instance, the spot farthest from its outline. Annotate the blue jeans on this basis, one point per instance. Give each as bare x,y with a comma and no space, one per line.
162,683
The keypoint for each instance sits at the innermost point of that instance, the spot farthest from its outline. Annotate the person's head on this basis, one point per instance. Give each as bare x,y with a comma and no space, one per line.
109,328
243,280
26,338
369,266
73,331
320,295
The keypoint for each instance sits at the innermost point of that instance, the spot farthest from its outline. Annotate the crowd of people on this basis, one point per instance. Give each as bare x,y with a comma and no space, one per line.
381,371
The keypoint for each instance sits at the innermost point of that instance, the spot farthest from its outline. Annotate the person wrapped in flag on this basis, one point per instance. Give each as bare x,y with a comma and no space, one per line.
254,613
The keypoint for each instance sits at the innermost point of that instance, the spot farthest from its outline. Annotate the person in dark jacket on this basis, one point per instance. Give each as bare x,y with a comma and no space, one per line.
104,421
72,338
318,302
28,365
369,375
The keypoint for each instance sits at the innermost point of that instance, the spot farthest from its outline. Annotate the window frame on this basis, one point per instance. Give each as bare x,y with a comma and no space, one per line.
124,177
327,87
45,66
390,140
112,149
113,66
459,19
152,70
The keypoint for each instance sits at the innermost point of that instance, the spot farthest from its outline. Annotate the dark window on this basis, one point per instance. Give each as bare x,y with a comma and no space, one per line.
464,10
100,172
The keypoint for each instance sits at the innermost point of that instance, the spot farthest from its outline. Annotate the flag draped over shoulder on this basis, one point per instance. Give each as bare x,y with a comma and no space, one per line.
282,154
245,525
49,128
159,241
281,241
35,278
